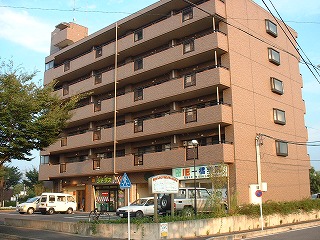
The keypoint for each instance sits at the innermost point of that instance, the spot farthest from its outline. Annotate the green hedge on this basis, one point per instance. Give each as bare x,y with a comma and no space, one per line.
282,208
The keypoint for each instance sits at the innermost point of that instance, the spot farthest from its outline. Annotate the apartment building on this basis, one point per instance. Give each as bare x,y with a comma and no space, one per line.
218,72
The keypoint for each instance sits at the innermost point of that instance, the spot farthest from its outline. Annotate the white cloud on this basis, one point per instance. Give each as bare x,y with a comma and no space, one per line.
21,28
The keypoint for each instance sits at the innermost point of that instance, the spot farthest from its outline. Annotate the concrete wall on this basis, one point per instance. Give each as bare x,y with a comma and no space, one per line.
176,230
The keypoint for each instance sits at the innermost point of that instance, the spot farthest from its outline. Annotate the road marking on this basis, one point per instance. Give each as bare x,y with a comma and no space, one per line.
289,230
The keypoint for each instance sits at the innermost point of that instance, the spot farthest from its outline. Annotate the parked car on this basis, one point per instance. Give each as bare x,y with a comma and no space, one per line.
315,196
184,201
139,208
30,206
57,202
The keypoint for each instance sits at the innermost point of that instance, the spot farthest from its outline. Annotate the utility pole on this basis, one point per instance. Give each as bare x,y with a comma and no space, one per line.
258,158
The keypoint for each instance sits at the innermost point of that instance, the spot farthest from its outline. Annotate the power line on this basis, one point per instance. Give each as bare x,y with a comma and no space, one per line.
212,15
119,12
311,144
292,38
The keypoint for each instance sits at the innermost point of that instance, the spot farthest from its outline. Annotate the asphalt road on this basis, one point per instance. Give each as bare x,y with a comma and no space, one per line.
310,233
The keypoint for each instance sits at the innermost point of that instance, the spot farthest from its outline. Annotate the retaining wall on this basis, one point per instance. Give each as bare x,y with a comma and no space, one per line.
175,230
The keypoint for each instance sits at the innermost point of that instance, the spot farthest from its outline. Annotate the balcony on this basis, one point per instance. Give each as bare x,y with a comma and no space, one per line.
88,85
47,171
175,123
172,24
175,24
168,91
87,112
164,92
211,154
81,141
203,49
83,62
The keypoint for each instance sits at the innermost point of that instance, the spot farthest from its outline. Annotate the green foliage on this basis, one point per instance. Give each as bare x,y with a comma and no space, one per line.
31,116
314,181
218,177
282,208
11,176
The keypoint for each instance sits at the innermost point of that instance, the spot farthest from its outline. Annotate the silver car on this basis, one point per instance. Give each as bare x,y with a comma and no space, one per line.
30,206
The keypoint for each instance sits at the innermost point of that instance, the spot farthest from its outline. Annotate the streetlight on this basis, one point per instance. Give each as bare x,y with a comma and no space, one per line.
194,144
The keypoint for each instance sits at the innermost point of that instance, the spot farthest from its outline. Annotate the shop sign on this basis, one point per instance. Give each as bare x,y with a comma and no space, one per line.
187,172
163,184
201,172
104,180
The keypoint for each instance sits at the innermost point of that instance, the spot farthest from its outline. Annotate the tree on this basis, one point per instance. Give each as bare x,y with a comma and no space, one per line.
31,116
314,181
9,178
219,178
12,176
34,186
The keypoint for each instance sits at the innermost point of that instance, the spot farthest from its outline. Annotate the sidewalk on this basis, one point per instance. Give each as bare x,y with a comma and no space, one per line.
267,231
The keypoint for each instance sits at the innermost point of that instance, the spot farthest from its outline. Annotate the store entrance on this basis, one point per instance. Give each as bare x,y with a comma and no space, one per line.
106,197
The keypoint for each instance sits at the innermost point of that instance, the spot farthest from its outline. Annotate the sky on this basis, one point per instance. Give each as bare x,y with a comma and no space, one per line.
26,28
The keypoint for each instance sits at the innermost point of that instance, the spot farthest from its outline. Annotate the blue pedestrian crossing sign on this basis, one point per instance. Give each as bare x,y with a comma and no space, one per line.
125,181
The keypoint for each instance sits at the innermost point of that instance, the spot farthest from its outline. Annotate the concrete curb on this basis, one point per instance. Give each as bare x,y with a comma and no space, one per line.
265,232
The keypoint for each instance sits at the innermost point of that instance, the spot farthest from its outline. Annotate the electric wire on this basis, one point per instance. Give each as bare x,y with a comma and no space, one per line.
291,40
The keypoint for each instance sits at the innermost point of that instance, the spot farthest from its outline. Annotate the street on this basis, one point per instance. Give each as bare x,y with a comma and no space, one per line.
310,233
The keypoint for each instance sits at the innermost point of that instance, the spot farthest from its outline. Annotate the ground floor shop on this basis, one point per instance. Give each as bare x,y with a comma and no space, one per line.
104,192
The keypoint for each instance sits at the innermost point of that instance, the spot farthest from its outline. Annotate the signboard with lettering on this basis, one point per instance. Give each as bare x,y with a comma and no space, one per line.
188,172
163,184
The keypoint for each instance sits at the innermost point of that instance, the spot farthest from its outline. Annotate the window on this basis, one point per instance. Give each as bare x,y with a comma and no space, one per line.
281,148
138,125
120,153
187,14
61,198
70,199
67,66
63,167
191,152
138,159
63,141
276,86
97,78
138,35
190,115
49,65
65,89
97,135
51,198
96,164
271,28
279,116
189,80
188,46
138,64
138,94
97,106
98,52
274,56
44,159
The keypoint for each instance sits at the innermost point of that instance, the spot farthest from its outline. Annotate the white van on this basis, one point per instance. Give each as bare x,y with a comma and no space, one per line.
57,202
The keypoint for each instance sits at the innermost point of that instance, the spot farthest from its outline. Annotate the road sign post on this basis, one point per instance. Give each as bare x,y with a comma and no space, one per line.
259,194
125,183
